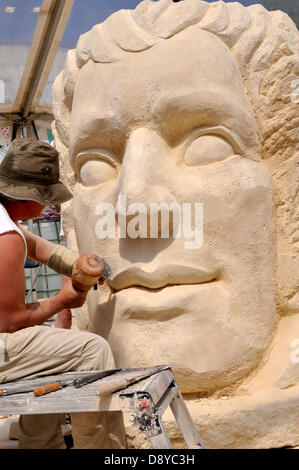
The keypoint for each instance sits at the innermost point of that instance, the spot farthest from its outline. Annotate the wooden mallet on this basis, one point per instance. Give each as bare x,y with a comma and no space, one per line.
88,270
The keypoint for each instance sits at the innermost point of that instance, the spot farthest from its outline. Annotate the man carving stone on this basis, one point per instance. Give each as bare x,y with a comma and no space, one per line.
29,180
186,103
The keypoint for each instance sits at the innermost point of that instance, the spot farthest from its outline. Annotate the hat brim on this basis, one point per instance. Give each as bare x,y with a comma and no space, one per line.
43,194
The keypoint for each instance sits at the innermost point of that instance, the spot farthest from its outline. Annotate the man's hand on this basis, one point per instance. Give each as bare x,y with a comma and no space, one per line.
71,298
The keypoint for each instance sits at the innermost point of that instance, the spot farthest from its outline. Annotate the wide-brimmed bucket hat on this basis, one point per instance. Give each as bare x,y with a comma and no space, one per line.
30,171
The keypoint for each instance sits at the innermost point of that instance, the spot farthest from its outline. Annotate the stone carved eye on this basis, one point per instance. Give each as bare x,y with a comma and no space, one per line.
95,168
208,148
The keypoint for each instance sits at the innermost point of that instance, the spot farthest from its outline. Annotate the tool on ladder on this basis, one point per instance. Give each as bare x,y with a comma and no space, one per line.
112,386
76,382
116,384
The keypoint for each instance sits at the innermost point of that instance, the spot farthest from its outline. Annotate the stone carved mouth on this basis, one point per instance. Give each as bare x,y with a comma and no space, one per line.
157,279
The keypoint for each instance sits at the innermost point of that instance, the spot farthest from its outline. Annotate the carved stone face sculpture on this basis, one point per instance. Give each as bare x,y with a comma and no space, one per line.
173,123
185,133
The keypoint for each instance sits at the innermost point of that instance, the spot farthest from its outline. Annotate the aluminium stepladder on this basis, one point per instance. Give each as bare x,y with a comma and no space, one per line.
144,404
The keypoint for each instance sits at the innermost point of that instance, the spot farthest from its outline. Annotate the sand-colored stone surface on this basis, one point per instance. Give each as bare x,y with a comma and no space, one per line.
188,103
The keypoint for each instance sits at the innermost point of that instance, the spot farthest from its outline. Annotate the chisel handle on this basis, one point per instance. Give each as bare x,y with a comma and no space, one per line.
107,388
38,392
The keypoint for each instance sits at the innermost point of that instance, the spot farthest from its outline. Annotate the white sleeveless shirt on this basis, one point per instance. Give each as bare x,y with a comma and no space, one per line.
7,225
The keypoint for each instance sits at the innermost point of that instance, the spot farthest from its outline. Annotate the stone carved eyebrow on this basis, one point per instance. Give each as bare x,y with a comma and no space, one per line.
181,115
107,138
93,154
221,131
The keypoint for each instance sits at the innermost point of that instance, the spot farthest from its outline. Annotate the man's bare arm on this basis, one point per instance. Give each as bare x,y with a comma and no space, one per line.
39,249
14,313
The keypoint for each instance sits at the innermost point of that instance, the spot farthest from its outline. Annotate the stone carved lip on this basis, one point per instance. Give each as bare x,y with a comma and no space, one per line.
167,275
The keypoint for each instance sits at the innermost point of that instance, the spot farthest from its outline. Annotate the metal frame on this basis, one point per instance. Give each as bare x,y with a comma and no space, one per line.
50,26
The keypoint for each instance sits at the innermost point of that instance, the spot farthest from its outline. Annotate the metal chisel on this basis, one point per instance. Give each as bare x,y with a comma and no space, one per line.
76,382
12,390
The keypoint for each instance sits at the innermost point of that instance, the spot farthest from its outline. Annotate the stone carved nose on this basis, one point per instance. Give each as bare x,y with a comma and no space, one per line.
143,182
141,165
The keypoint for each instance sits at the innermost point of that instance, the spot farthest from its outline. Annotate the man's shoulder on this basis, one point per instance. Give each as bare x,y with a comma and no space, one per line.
9,228
11,237
5,220
12,254
6,223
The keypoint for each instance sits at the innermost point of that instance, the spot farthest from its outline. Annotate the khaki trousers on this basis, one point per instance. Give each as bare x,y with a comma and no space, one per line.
41,350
